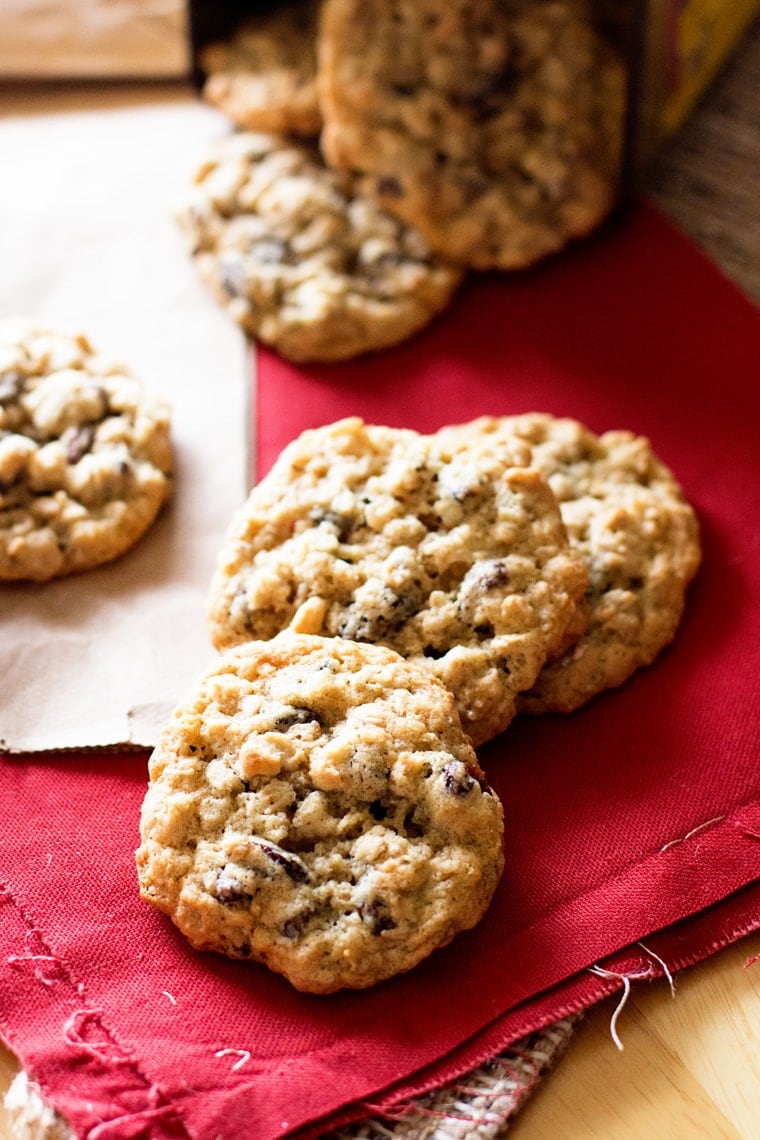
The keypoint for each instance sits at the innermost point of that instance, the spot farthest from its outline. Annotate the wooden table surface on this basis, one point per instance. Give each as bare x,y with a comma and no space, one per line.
690,1063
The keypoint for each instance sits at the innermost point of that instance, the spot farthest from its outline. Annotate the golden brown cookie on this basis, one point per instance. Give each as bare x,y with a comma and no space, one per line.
627,517
315,806
263,76
85,454
301,259
495,128
457,561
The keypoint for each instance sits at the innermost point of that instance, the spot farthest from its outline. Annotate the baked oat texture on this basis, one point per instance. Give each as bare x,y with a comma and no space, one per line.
263,76
85,454
495,128
627,516
303,261
458,562
315,806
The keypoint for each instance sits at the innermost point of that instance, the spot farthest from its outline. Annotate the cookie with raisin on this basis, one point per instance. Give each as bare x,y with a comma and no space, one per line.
628,518
495,128
315,806
263,75
459,562
303,260
85,454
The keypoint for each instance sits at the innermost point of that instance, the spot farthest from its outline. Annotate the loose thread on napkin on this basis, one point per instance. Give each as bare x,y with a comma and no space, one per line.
84,1033
20,961
73,1034
664,966
694,831
626,979
45,967
123,1127
243,1057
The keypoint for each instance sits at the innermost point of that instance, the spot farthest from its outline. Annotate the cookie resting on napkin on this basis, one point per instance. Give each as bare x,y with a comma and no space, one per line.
315,806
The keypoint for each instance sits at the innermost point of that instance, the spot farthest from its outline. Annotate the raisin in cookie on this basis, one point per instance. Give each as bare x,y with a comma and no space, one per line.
85,454
376,534
263,77
627,516
302,260
316,806
495,128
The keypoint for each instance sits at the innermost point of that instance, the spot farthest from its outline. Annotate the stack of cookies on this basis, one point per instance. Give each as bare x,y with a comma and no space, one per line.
385,602
385,149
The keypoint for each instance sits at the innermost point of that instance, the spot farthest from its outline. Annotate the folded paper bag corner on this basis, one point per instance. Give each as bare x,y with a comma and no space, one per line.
146,721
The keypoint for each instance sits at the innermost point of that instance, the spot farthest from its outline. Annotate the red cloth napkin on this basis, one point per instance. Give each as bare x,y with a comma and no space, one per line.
635,820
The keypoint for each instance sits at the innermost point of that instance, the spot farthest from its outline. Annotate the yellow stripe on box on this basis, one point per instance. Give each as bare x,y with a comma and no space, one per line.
699,36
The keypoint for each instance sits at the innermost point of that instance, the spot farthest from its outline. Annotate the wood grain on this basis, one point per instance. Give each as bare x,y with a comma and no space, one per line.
689,1065
67,39
707,179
